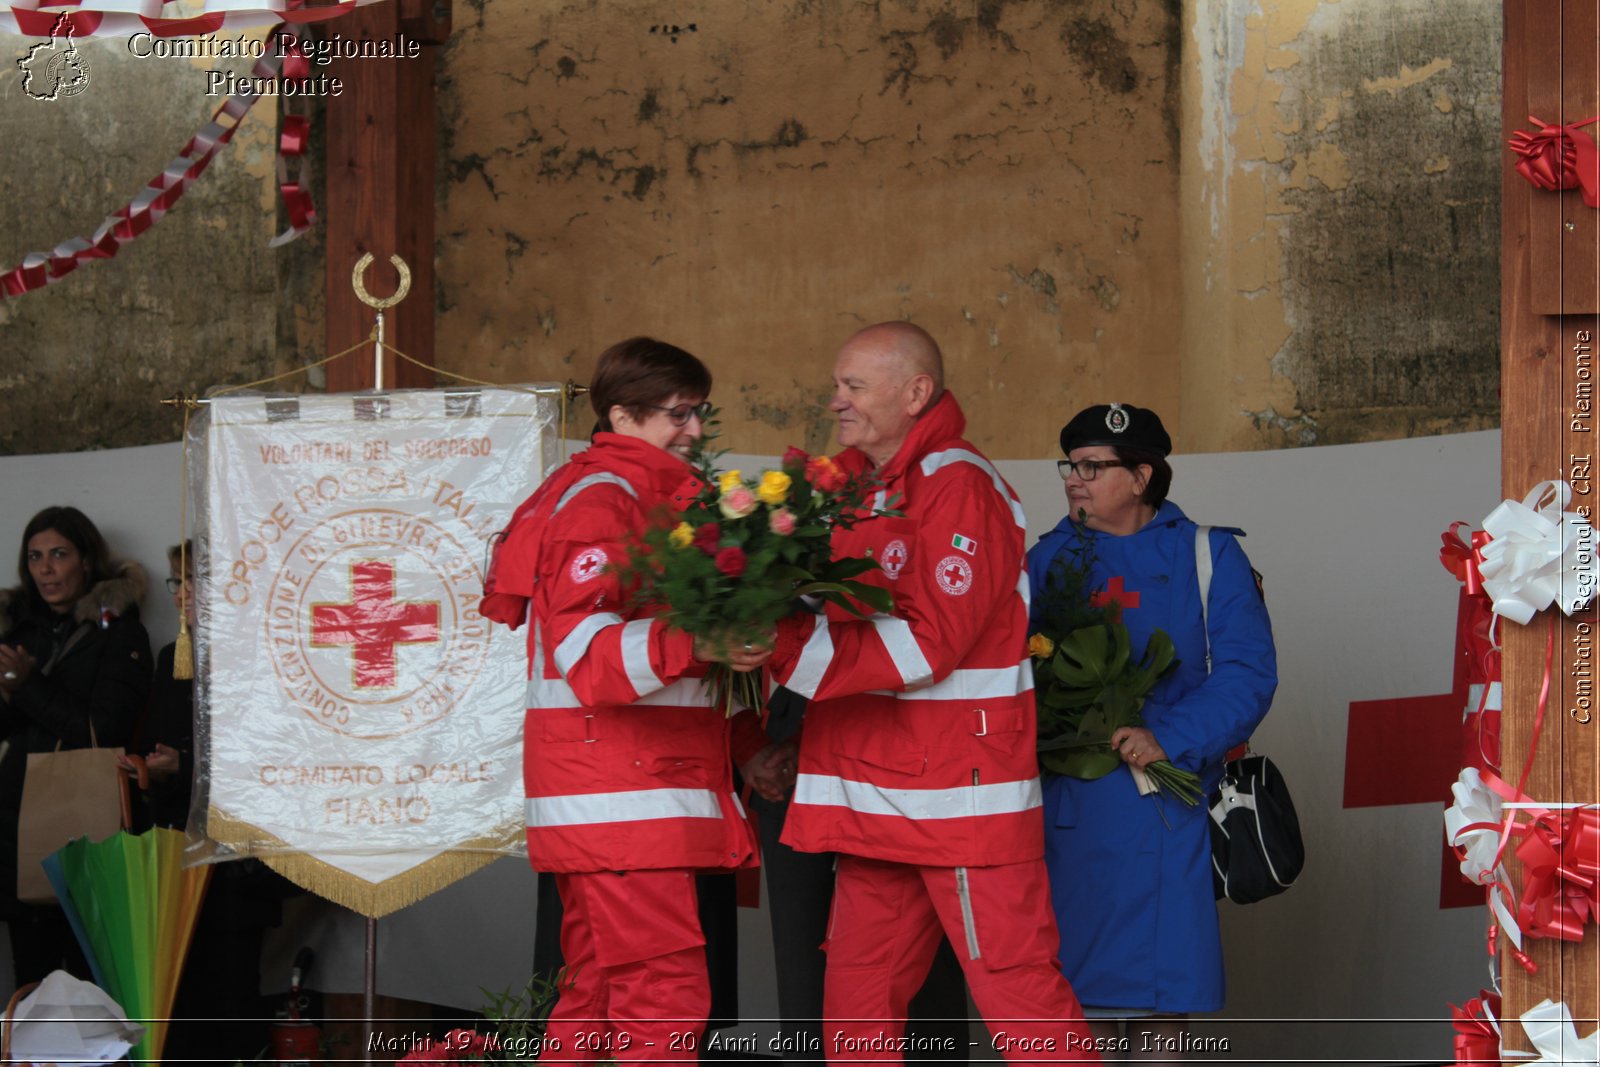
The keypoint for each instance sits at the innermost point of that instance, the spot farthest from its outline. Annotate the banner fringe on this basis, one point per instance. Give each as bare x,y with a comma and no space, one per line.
373,900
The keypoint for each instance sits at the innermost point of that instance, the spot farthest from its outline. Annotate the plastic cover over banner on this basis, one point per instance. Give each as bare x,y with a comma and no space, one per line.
359,723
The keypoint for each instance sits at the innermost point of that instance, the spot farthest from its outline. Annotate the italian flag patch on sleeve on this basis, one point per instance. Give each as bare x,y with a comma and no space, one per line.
965,544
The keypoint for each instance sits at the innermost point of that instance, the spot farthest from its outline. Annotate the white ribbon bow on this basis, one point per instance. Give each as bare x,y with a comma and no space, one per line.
1549,1027
1540,553
1474,803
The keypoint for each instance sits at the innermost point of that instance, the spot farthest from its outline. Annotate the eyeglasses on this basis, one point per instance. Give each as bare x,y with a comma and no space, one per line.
175,584
681,413
1087,470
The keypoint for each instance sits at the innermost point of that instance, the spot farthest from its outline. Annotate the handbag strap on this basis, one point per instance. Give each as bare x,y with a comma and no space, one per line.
1202,571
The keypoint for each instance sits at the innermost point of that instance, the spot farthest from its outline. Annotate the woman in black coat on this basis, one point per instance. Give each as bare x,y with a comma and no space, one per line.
74,671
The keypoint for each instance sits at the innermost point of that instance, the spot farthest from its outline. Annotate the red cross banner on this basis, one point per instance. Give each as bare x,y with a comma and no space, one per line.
360,724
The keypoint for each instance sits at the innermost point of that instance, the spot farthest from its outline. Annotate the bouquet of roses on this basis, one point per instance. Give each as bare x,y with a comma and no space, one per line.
734,560
1087,683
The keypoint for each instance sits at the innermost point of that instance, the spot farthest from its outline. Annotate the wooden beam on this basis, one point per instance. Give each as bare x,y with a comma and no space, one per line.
379,199
1549,430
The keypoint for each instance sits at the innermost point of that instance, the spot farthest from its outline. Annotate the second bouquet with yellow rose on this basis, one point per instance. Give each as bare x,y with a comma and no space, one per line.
734,560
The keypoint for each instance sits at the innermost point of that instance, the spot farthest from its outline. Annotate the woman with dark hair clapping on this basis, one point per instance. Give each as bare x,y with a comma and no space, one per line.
74,672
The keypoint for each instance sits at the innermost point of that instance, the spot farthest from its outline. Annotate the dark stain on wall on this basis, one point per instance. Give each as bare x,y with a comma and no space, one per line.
1392,283
1096,45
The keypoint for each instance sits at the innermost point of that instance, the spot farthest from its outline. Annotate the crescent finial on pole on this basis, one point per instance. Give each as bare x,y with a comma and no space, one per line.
358,283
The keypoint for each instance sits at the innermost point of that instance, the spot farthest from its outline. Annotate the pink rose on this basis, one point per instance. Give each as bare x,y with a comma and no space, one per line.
738,503
781,522
795,457
731,561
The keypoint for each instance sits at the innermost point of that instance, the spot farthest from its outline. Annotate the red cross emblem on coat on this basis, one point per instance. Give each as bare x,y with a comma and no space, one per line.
893,558
1114,594
587,564
374,623
954,575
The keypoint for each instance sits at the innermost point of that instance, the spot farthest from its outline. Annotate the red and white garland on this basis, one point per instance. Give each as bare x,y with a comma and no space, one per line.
124,18
121,18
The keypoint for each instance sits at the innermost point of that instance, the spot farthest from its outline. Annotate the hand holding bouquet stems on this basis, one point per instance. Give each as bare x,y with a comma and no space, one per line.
740,657
739,554
1090,689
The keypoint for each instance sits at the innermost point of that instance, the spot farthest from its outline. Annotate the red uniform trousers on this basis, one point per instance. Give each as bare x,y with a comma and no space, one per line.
635,987
887,919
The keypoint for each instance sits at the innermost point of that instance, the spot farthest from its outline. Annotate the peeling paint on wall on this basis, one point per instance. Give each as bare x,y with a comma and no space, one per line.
1344,284
1004,174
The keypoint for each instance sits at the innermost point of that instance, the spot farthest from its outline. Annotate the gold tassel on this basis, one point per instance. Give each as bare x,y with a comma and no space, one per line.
183,653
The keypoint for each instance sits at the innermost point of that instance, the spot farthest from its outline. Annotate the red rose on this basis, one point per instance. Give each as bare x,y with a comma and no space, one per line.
795,457
707,536
730,561
824,474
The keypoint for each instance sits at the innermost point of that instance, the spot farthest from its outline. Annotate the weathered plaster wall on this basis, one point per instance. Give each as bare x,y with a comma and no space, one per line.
770,178
198,300
1341,220
1289,239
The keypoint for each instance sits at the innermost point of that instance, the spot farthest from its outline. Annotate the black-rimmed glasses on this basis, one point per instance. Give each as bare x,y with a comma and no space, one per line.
679,414
1087,470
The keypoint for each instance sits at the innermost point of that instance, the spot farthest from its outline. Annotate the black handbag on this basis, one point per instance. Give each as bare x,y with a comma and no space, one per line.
1256,847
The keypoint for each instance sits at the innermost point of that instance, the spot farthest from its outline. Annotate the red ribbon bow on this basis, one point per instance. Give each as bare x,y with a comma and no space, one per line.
1462,557
1561,875
1477,1041
1559,157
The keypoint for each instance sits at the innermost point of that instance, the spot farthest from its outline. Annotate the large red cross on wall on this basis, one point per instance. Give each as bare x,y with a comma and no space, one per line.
374,622
1407,750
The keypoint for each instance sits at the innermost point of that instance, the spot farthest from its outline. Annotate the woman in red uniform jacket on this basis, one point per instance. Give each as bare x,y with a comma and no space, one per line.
626,765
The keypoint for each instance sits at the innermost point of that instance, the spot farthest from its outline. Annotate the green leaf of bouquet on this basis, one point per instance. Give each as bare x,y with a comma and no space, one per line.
1121,649
788,572
1088,763
845,594
841,569
1159,654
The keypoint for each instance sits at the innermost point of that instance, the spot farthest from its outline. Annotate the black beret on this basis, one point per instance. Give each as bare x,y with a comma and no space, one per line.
1122,425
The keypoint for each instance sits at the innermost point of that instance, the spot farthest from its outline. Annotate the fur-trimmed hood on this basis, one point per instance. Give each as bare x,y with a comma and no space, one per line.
123,590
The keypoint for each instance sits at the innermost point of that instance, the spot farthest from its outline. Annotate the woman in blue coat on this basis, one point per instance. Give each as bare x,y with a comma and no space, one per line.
1131,874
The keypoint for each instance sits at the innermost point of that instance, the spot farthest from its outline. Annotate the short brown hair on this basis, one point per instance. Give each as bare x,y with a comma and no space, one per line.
1156,489
641,372
180,559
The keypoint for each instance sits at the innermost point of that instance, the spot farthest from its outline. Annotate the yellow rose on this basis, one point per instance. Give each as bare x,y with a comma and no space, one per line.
730,481
682,536
774,487
1040,646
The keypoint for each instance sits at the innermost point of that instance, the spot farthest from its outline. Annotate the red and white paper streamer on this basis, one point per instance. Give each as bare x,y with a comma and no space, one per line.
39,269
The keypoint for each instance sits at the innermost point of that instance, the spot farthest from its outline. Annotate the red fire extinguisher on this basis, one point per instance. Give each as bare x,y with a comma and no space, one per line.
296,1042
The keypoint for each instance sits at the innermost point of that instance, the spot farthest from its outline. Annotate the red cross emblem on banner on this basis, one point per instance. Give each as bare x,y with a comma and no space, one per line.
1114,594
373,623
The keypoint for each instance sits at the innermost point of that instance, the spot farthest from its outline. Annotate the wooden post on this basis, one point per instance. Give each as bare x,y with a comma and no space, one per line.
379,198
1550,295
